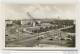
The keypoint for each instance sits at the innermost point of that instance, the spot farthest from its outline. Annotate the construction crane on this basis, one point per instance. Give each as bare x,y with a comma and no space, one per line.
33,21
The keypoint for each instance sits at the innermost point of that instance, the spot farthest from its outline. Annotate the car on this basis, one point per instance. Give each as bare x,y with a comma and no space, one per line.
41,37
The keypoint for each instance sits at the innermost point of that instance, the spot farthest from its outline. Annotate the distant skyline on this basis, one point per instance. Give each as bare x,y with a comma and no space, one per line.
19,11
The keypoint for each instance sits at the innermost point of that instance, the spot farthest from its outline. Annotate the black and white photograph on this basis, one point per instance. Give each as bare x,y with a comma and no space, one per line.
39,26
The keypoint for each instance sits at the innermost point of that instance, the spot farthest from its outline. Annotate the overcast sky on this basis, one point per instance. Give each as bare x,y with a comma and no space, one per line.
19,11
